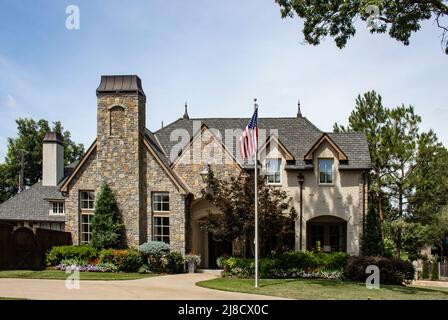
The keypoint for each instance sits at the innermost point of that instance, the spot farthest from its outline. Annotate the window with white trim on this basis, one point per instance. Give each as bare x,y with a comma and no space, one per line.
57,208
161,202
326,171
161,227
87,200
273,171
86,228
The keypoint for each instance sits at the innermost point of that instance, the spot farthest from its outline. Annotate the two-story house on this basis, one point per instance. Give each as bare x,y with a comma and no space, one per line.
157,177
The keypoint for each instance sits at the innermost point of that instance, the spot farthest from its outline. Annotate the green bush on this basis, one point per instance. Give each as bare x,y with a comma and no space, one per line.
435,271
154,248
392,270
290,264
125,260
81,253
175,262
425,270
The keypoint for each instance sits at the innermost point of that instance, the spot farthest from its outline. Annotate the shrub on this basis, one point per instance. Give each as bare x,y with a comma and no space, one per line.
154,248
288,265
175,262
81,253
125,260
425,270
392,270
106,226
435,271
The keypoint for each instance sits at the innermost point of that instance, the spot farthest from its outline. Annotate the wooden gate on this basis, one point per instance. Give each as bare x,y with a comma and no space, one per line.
25,249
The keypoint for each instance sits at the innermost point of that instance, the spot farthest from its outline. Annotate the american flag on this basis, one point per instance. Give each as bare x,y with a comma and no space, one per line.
249,139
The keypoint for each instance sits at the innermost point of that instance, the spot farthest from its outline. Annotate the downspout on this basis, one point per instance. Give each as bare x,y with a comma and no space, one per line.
301,179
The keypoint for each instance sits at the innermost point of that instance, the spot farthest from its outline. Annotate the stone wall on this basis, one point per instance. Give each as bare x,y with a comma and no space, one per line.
157,180
119,156
85,179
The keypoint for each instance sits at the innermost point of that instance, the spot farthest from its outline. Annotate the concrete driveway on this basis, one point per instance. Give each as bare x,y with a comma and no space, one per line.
169,287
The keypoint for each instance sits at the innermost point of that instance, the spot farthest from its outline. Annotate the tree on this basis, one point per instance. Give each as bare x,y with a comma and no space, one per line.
337,18
29,143
372,242
235,199
369,117
106,225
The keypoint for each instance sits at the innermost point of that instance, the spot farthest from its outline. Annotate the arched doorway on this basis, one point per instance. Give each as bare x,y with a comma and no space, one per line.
327,232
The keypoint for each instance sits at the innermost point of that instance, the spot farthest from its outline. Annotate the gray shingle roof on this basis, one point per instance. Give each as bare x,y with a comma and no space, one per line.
32,204
297,134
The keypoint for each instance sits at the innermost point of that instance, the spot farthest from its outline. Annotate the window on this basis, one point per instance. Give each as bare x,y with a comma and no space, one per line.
326,170
56,226
45,225
273,170
57,207
162,229
87,200
86,231
161,201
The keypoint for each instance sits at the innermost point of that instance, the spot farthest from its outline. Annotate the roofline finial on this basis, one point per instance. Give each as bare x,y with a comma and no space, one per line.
299,112
186,116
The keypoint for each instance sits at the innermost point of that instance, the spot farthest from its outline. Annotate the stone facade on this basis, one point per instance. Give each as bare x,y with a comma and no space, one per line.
125,157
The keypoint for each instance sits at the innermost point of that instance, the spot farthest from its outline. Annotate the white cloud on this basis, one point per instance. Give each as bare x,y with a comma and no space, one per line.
10,102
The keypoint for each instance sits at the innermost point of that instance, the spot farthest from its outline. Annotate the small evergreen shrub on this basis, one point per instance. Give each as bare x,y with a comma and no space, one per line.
106,226
425,270
125,260
392,270
80,253
435,271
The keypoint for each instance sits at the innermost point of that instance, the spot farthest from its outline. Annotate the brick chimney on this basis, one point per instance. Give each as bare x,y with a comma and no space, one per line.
52,159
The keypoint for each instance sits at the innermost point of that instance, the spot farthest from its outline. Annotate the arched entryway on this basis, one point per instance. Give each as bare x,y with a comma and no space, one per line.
327,232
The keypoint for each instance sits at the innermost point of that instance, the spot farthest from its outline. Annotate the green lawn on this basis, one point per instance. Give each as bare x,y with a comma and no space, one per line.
57,274
313,289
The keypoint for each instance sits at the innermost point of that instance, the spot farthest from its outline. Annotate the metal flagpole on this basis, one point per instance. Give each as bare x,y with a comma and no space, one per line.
256,203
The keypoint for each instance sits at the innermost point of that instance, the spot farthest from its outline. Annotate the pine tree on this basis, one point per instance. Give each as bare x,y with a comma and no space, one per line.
106,226
372,244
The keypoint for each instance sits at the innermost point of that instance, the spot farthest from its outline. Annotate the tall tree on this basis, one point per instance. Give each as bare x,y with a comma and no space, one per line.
28,144
235,199
369,117
337,18
106,225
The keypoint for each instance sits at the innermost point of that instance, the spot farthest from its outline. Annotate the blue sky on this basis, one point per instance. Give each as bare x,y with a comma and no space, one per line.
217,55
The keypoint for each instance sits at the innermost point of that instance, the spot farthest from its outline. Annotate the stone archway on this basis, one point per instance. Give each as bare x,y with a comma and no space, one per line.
327,232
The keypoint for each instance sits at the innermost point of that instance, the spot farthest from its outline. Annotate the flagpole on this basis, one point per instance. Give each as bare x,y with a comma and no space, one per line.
256,205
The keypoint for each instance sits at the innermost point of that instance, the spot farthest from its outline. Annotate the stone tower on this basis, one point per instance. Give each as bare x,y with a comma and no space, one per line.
120,133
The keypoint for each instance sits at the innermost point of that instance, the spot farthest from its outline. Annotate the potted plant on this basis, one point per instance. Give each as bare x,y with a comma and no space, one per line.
193,261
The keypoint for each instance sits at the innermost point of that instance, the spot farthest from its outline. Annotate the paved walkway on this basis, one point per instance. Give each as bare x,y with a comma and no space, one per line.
175,287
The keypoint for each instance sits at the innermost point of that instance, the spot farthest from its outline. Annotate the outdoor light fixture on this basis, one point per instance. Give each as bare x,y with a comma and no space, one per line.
204,173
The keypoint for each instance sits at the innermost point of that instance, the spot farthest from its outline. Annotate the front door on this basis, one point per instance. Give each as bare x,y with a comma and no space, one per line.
217,249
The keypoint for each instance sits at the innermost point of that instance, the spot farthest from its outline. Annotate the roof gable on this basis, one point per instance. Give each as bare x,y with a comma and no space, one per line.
325,138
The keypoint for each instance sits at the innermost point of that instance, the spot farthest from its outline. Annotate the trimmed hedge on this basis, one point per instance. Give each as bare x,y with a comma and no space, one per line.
154,248
392,270
125,260
82,254
288,265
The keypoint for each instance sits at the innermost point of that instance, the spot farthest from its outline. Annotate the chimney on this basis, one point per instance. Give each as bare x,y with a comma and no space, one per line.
52,159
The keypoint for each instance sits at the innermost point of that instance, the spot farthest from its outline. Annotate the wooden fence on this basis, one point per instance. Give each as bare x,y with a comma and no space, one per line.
22,248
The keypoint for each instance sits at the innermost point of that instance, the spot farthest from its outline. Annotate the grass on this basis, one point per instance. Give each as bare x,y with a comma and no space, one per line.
316,289
61,275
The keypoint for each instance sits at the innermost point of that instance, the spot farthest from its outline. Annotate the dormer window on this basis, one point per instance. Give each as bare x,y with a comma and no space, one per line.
273,171
326,171
57,208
